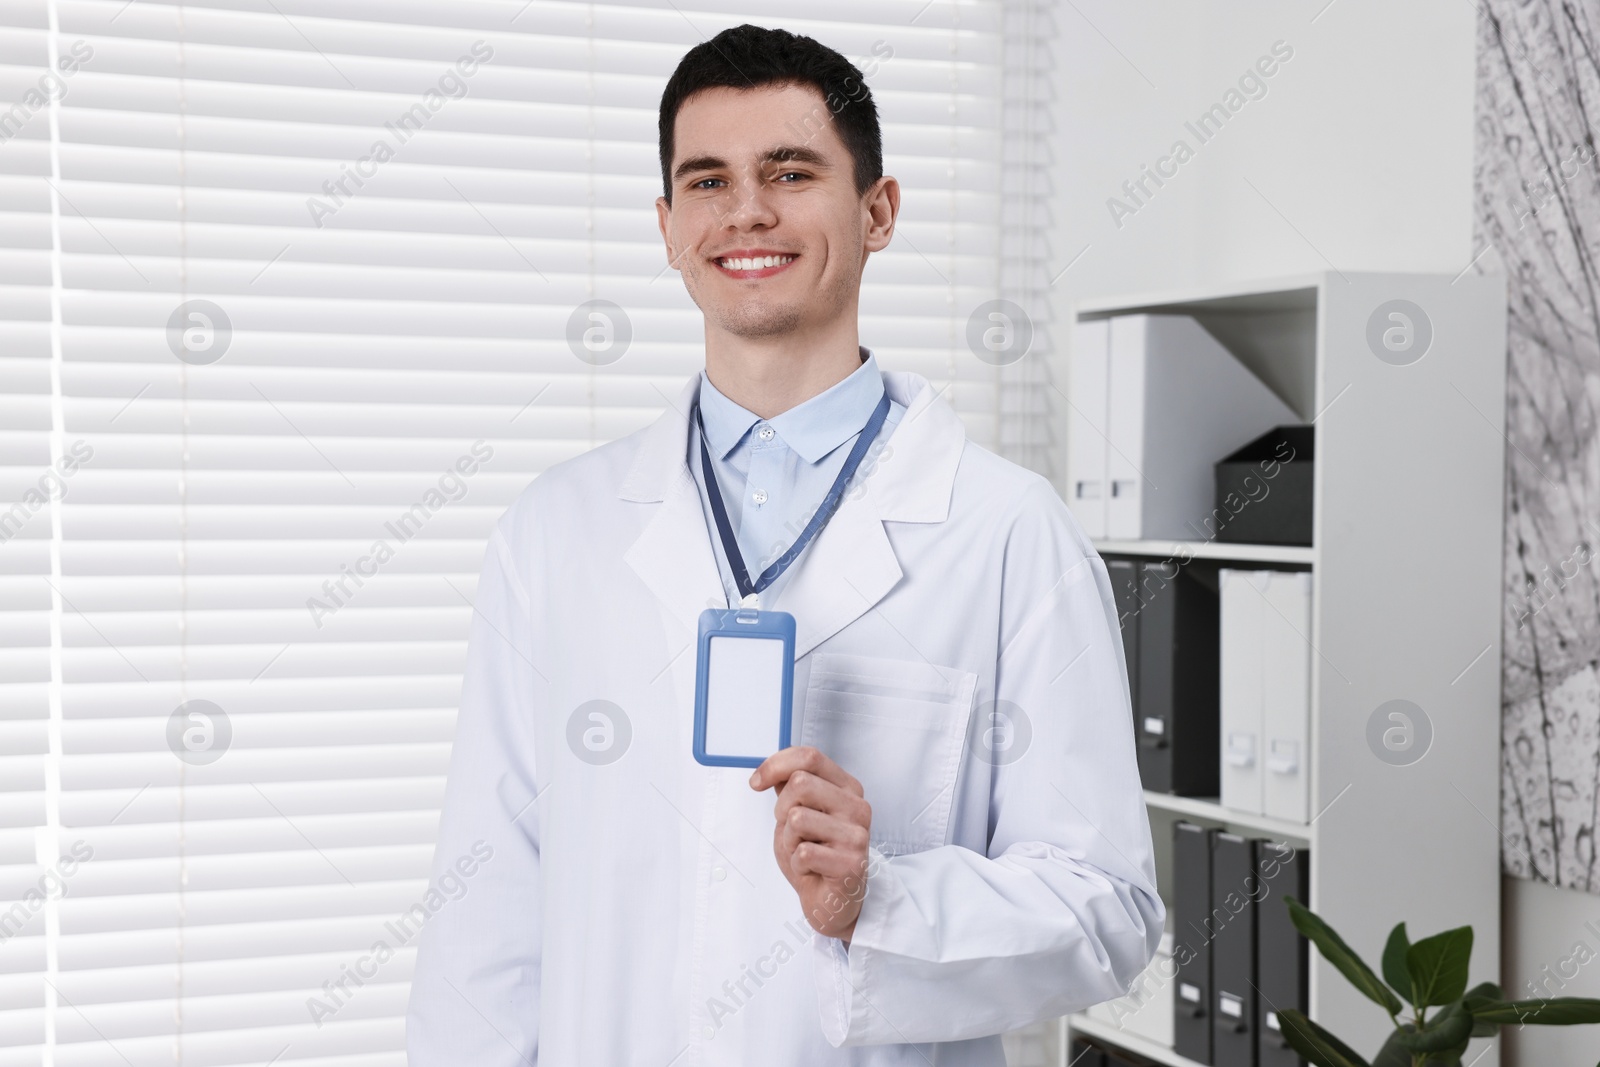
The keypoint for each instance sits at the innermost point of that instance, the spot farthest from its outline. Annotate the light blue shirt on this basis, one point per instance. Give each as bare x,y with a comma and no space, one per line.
774,473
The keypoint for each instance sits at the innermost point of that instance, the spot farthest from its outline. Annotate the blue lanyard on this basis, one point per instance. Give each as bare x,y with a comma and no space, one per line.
825,510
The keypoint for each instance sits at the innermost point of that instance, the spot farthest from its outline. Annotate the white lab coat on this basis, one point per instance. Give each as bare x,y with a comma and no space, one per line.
632,912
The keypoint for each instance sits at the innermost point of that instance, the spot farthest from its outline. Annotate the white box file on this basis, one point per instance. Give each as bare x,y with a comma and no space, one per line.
1266,692
1241,603
1286,696
1156,402
1086,425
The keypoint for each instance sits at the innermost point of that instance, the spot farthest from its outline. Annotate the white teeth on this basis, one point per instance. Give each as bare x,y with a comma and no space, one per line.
756,263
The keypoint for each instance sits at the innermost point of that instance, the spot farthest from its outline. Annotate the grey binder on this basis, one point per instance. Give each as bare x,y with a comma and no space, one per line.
1191,940
1124,575
1176,720
1082,1054
1234,887
1282,955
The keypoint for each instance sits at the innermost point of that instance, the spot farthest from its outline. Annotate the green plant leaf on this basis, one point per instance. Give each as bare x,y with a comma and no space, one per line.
1342,956
1438,967
1555,1011
1393,1054
1450,1030
1317,1046
1394,961
1478,995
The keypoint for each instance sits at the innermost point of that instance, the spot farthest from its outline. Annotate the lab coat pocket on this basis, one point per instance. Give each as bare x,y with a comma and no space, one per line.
898,726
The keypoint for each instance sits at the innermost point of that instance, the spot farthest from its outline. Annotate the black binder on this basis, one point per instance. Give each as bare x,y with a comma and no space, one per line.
1082,1054
1176,716
1234,887
1191,940
1124,575
1282,955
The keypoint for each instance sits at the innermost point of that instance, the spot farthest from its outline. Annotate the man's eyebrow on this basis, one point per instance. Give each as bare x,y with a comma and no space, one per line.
796,154
781,154
698,163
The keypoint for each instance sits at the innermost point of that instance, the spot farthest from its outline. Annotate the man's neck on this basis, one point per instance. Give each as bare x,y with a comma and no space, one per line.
770,377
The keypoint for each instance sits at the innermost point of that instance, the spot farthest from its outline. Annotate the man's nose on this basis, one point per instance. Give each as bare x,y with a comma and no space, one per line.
749,205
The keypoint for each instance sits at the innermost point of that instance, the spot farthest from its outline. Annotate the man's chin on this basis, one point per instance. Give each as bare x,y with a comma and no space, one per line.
761,323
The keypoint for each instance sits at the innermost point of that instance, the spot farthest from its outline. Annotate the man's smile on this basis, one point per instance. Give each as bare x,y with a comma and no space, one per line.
753,262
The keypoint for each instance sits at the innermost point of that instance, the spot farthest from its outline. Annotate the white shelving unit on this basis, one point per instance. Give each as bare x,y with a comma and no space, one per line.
1221,550
1406,601
1207,810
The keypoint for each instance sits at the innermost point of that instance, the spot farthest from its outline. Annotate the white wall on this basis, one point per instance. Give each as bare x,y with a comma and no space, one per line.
1359,156
1551,939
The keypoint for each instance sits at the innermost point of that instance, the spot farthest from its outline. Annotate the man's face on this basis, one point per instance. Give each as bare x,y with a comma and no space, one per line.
765,223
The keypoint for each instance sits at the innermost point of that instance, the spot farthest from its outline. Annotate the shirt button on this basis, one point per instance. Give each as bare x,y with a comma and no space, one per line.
718,874
710,1032
759,496
765,433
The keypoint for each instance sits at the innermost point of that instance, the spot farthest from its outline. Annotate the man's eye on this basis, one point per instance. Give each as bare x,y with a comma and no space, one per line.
703,183
790,174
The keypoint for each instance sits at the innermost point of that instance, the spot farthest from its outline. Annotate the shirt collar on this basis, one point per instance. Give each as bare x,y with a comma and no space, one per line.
812,428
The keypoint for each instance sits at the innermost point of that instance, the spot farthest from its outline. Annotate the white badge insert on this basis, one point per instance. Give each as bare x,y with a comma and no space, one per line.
744,696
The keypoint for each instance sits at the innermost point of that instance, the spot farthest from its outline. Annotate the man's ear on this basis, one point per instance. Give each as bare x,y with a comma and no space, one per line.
882,205
663,217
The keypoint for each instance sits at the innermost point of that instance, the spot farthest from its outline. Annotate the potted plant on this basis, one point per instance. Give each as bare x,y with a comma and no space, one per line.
1432,973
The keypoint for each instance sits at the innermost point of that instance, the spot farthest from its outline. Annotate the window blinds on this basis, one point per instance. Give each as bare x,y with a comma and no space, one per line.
286,293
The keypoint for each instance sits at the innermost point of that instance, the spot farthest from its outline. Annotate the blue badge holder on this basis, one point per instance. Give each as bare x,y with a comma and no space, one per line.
751,625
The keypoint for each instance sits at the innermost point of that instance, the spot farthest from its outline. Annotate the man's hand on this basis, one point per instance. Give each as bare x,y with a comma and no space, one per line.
823,823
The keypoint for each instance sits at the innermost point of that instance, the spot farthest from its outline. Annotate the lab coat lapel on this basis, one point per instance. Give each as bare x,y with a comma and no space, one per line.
672,555
850,566
841,576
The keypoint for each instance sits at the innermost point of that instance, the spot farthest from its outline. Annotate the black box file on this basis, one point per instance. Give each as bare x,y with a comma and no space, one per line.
1124,575
1264,490
1176,716
1234,889
1282,955
1191,940
1082,1054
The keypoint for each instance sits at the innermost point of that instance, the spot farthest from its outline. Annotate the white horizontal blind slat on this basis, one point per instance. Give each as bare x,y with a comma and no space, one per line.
1028,399
30,881
293,531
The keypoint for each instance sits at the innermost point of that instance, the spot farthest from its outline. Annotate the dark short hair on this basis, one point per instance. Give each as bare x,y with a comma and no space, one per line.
750,57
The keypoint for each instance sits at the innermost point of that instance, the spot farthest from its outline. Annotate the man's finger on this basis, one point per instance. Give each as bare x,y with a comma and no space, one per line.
828,861
806,824
777,768
807,790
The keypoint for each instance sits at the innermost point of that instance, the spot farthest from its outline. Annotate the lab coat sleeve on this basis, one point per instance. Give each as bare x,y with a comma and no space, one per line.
475,990
1062,912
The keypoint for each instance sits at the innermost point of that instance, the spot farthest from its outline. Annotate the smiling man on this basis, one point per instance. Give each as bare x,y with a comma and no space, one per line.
955,845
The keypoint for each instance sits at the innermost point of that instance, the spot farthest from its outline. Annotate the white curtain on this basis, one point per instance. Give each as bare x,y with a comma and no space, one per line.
287,294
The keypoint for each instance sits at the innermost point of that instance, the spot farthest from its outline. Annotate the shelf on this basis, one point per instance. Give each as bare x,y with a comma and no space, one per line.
1276,295
1205,808
1141,1046
1291,293
1209,550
